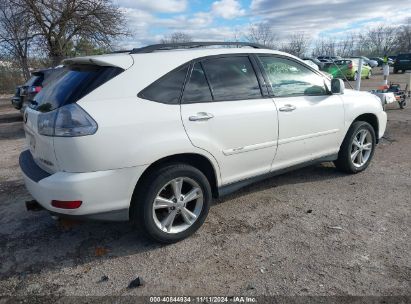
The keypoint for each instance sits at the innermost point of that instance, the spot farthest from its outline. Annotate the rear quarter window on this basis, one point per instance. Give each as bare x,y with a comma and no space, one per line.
168,88
69,84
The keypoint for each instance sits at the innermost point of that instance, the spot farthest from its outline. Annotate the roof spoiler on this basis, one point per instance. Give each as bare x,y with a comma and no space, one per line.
113,60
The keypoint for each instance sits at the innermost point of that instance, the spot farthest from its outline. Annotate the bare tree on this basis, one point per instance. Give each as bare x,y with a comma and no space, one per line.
325,47
176,37
297,44
16,33
63,22
404,37
261,33
380,40
346,47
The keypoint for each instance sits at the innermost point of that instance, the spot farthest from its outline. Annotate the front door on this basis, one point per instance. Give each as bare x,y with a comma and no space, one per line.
311,120
225,113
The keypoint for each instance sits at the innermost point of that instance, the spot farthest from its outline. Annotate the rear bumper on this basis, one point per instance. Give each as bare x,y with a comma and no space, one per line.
105,195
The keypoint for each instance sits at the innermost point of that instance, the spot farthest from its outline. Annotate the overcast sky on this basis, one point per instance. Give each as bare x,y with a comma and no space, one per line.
150,20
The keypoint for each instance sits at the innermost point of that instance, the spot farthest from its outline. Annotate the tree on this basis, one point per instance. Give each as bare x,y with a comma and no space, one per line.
61,23
297,44
176,37
380,40
261,33
404,37
16,33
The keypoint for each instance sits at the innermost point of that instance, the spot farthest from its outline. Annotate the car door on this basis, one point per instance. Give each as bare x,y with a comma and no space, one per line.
224,112
311,120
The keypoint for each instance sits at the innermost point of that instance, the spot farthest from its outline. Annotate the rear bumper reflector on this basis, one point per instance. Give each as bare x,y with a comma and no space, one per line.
66,204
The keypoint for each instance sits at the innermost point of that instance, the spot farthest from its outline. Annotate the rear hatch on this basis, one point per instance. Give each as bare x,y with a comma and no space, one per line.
65,87
404,60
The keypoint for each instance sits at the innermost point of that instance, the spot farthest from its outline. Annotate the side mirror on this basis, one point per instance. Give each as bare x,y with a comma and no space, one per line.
337,86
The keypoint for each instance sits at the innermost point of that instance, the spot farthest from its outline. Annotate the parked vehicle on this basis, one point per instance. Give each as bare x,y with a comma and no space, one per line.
380,61
329,58
348,68
402,63
16,99
371,63
25,93
153,134
312,64
315,61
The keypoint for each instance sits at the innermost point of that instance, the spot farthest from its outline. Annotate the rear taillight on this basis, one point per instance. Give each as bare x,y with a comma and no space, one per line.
350,66
35,89
66,204
68,121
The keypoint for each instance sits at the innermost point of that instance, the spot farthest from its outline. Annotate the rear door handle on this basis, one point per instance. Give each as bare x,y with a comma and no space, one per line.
288,108
201,116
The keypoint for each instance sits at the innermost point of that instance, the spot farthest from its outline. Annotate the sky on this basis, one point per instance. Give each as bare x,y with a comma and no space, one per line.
223,20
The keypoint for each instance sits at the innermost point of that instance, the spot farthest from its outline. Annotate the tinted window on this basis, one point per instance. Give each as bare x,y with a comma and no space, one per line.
197,89
34,81
69,84
289,78
232,78
404,56
167,89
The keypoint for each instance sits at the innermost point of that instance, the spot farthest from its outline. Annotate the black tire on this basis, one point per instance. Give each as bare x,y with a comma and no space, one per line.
344,162
355,77
403,104
141,212
395,71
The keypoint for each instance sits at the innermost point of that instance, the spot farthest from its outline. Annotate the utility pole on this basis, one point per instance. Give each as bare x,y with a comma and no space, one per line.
358,81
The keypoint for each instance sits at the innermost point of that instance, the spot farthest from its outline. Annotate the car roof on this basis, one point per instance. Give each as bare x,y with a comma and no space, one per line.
126,59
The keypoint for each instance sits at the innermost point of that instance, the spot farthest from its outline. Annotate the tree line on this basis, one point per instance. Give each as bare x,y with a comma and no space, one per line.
38,33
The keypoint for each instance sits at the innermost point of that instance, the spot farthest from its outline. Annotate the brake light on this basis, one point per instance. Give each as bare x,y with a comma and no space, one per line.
66,204
350,66
35,89
68,121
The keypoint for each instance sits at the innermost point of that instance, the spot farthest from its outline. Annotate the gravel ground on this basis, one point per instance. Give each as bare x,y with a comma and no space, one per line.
313,231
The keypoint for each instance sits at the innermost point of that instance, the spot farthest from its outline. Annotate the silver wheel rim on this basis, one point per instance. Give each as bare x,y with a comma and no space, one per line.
361,148
177,205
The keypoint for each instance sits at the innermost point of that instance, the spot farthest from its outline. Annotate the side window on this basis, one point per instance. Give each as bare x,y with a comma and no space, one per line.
232,78
167,89
290,78
197,89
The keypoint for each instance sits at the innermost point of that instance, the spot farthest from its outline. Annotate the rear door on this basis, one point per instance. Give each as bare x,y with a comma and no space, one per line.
225,113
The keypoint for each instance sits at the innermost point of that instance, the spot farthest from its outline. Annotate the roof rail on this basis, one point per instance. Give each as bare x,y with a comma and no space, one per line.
120,51
189,45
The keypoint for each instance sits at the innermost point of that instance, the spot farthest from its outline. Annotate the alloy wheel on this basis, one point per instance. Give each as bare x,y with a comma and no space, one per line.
361,148
177,205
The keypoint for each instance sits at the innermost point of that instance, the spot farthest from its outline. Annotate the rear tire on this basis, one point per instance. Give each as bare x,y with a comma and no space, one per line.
163,216
369,75
357,149
395,71
355,77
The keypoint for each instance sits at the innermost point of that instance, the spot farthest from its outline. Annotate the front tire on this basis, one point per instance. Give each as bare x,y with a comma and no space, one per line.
172,203
357,149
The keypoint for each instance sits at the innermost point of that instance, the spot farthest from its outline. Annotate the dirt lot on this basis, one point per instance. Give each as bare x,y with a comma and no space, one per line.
314,231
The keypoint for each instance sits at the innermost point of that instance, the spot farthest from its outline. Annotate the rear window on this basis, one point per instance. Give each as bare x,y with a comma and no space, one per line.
404,56
69,84
35,81
342,62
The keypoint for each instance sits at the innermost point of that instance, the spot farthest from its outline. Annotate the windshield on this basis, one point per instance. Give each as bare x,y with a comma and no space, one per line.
69,84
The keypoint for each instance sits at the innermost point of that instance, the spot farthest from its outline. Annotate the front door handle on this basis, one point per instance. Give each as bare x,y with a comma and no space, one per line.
288,108
201,116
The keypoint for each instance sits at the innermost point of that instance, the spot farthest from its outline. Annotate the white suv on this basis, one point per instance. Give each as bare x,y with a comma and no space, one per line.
153,134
